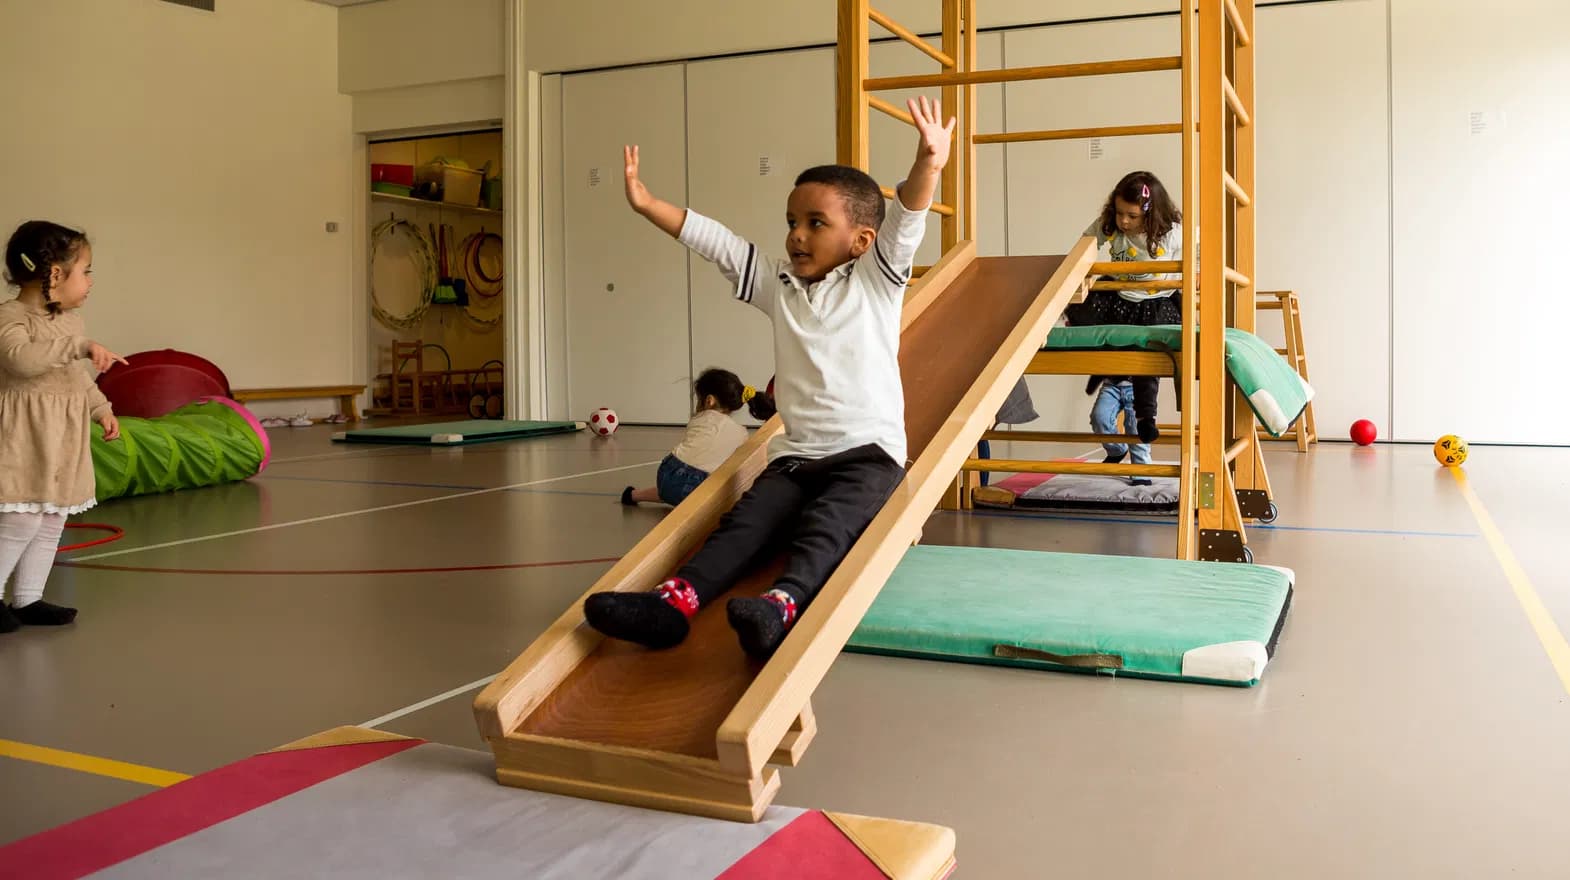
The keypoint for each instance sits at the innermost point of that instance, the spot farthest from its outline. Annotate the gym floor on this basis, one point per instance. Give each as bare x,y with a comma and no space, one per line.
1413,723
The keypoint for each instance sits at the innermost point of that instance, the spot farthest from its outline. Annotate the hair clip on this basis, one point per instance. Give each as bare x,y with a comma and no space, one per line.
28,262
1144,191
748,392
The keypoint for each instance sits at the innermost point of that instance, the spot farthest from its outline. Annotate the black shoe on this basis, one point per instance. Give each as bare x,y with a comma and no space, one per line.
8,621
626,497
1148,432
41,613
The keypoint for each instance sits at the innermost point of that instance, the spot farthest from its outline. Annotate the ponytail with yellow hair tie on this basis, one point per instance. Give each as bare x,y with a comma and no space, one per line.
748,393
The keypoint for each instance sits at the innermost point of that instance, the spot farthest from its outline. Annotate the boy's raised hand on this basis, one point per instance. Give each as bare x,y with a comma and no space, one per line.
936,138
637,194
663,214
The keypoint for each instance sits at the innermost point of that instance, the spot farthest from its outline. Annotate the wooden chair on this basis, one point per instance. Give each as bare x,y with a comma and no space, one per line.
403,354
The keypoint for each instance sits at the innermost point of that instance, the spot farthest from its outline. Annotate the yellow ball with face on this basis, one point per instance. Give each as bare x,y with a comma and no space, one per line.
1450,450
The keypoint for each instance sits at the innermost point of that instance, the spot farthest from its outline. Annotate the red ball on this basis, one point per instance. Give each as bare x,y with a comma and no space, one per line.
1364,432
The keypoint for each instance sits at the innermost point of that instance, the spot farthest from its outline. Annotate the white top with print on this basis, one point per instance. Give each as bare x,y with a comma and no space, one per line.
836,341
1130,247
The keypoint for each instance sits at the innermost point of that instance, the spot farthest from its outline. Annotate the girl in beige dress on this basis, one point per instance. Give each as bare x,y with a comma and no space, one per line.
48,404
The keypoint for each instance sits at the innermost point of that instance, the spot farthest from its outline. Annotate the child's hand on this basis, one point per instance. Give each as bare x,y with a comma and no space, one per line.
637,194
936,138
103,358
111,426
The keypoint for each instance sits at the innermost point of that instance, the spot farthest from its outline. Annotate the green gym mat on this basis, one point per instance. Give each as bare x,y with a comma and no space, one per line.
456,433
1211,622
1276,393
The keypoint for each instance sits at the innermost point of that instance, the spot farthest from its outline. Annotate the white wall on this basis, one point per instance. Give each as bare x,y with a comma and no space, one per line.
1480,284
442,104
1323,221
400,43
422,63
203,152
576,35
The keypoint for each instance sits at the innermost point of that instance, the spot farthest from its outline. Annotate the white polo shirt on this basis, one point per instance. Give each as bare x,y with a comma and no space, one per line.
836,342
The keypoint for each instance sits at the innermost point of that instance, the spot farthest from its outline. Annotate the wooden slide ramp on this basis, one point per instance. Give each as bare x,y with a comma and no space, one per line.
694,728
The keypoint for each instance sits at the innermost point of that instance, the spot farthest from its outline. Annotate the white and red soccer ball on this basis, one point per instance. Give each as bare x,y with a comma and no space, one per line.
603,421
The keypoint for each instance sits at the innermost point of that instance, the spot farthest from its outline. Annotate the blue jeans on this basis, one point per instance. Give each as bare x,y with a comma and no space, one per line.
676,479
1110,400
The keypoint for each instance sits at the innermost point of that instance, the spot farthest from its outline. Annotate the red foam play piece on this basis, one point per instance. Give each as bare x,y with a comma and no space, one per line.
116,834
152,390
810,848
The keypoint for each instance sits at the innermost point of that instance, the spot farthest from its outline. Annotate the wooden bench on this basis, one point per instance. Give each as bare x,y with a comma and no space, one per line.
345,394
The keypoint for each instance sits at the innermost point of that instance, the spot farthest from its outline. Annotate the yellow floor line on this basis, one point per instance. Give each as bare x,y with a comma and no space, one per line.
1536,613
89,764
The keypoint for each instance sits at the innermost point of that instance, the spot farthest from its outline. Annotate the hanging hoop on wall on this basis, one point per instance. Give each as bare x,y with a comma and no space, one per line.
422,254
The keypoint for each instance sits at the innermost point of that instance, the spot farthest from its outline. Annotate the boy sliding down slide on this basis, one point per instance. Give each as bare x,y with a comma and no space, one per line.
835,306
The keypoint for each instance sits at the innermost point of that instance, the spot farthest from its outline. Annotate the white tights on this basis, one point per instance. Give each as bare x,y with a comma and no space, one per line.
28,542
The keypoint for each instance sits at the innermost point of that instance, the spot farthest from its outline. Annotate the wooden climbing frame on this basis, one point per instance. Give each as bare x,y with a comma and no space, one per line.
1304,434
1223,482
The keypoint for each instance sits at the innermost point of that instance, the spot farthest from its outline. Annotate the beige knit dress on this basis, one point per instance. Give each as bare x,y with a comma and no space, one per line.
48,403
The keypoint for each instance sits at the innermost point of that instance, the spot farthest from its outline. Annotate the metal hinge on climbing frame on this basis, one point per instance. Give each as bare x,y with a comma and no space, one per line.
1207,490
1223,545
1254,504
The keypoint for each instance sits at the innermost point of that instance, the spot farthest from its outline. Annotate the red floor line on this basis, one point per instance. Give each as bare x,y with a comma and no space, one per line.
505,566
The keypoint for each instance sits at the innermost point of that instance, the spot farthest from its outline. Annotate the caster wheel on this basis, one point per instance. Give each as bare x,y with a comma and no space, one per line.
477,406
1248,556
1270,514
493,406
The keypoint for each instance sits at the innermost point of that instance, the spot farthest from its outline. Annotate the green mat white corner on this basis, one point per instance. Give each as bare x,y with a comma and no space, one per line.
1275,392
1211,622
456,433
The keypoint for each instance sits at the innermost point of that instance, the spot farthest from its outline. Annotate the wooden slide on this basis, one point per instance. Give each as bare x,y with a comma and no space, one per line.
694,728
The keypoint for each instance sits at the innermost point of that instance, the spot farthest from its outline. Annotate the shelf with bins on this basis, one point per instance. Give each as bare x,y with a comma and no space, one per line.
440,206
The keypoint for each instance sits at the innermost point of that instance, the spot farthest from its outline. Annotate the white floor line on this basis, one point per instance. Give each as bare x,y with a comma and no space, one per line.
348,513
325,456
461,689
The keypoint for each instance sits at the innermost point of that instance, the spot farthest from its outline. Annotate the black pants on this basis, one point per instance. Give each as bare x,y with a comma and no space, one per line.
812,508
1106,307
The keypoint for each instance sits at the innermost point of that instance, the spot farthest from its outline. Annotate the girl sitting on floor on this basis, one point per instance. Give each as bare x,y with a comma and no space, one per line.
712,435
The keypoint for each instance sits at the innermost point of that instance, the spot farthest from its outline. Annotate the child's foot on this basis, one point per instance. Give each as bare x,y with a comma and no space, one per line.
1140,481
1114,459
41,613
761,623
626,497
8,621
656,619
1148,433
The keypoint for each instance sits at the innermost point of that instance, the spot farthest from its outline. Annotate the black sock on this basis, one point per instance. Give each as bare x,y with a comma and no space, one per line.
1115,459
8,621
626,497
1148,433
761,622
43,613
645,618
